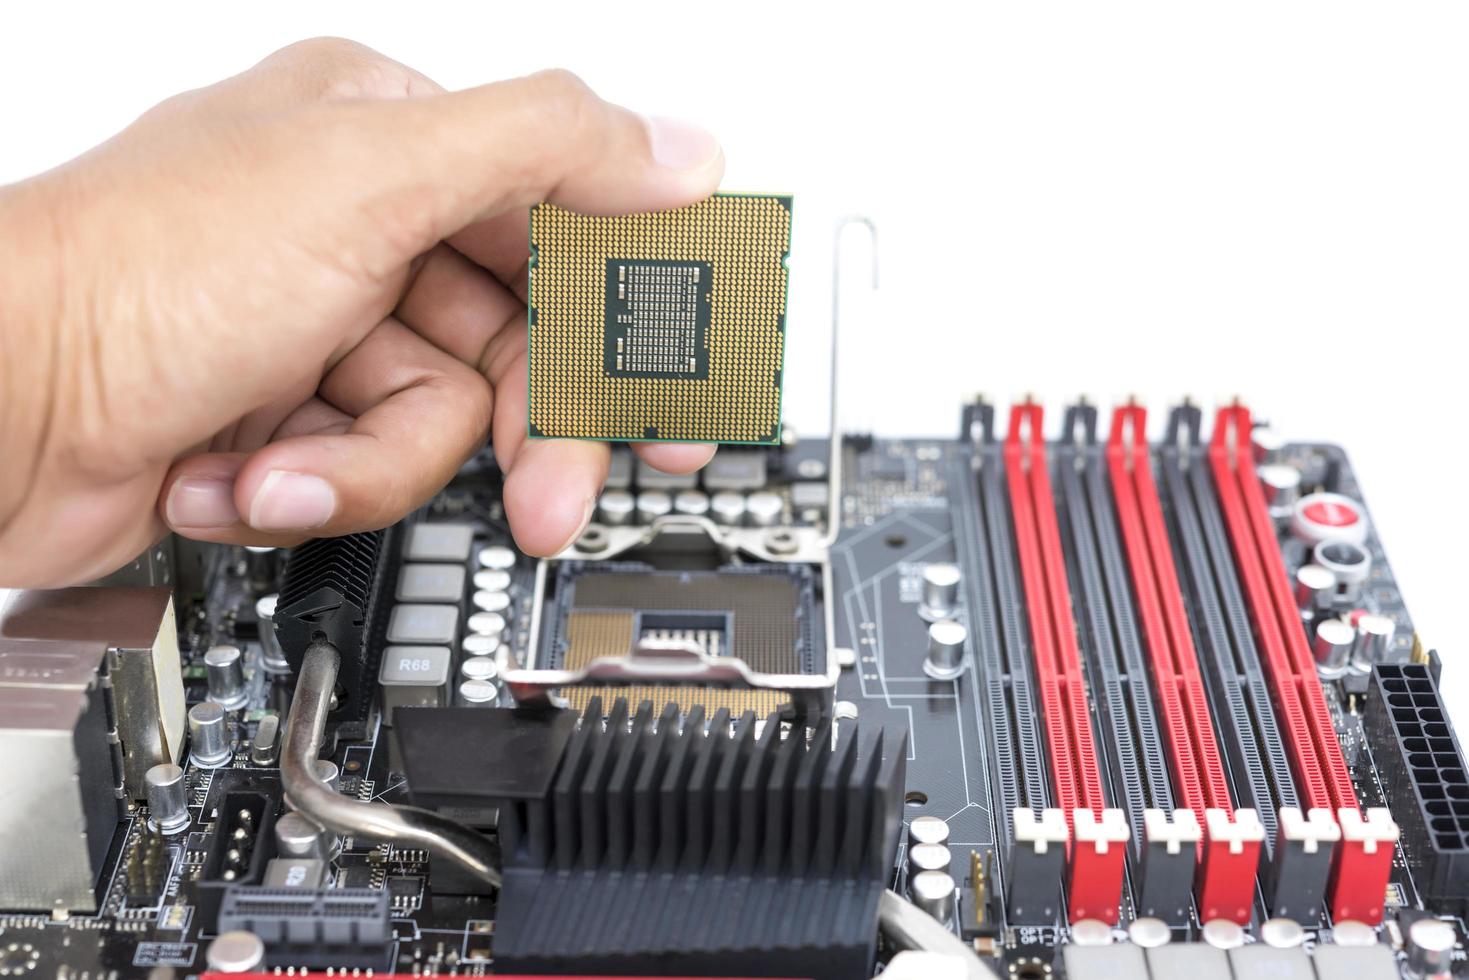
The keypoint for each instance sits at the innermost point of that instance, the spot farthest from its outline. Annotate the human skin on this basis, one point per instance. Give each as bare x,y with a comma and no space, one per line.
292,304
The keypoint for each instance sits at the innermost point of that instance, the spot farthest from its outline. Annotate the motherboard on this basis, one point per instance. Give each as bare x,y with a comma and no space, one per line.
1083,696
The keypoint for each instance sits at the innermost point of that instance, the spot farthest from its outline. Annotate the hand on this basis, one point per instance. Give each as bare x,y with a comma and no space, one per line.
292,304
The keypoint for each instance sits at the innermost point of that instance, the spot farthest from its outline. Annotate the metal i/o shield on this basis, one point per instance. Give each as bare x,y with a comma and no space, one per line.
665,326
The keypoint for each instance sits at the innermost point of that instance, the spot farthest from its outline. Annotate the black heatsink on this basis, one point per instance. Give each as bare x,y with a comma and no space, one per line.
332,590
668,849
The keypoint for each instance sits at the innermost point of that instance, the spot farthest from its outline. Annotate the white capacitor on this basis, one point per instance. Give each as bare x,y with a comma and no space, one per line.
480,644
728,508
497,556
479,669
764,508
615,508
694,503
487,624
477,692
492,579
933,892
653,504
488,601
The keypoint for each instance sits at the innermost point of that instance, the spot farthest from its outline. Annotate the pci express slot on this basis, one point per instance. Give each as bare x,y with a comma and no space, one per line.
1098,835
1298,850
1028,872
1363,858
1230,849
1162,857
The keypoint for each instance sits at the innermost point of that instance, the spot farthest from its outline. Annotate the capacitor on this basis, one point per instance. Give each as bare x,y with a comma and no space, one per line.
479,669
1372,642
1332,647
487,624
1282,485
225,669
329,775
487,601
1328,517
928,830
168,806
498,557
929,857
1431,948
272,657
209,741
236,951
297,835
945,659
653,504
940,591
265,746
764,508
478,692
492,580
728,508
933,892
1349,562
1267,445
480,644
615,508
694,503
1315,589
1353,932
1091,932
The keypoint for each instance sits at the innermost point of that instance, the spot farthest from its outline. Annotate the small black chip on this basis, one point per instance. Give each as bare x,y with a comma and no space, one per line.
657,318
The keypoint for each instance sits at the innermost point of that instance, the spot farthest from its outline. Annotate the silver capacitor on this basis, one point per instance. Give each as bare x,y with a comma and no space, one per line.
927,830
297,835
694,503
1315,589
224,667
933,892
653,504
329,775
940,591
727,508
1332,647
615,508
209,739
265,748
945,659
1268,446
272,657
929,857
474,692
168,805
1431,948
1350,563
236,951
1372,643
764,508
479,669
1282,485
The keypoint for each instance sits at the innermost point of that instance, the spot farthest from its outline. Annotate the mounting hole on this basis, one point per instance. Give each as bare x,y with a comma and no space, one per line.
916,797
895,541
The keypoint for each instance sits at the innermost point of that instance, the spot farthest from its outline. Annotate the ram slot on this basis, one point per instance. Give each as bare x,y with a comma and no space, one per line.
1362,861
1098,835
1230,850
1028,873
1298,850
1162,866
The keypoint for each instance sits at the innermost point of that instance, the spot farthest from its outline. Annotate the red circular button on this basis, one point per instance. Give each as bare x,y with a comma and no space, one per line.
1331,513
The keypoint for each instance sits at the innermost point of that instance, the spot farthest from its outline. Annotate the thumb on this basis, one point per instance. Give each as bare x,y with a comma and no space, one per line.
423,169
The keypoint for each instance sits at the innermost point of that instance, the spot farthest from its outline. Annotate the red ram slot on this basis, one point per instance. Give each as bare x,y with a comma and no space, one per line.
1226,886
1363,860
1096,856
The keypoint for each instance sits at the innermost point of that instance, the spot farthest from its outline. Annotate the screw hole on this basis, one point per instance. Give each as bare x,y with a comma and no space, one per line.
895,541
916,797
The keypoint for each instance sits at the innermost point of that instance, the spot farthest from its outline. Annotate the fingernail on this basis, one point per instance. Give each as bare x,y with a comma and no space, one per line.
586,518
289,501
680,145
200,502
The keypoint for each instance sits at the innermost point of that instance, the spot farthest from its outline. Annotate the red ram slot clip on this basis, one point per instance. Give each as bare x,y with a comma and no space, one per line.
1230,849
1097,851
1362,862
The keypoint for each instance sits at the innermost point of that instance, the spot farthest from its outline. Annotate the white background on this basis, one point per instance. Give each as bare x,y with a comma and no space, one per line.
1262,199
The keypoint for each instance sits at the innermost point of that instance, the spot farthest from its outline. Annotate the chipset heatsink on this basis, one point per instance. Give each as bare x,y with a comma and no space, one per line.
665,326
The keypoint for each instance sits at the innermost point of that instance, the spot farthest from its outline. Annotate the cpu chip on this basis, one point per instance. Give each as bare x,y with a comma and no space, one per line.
666,326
